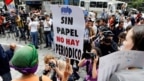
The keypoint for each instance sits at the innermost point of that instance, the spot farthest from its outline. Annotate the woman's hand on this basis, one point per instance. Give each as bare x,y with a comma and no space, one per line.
68,70
47,70
94,68
96,60
47,67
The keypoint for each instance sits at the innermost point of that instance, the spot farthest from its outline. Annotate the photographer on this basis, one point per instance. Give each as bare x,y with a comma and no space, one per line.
88,36
91,61
105,42
57,69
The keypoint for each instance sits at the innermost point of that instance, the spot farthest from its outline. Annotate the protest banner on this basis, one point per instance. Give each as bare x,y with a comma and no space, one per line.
118,61
69,25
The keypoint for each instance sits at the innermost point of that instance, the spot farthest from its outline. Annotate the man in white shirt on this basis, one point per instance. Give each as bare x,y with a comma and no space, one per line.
47,31
33,27
127,23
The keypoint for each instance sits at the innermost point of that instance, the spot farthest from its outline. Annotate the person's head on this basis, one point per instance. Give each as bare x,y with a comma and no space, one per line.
89,23
121,24
48,58
142,21
12,46
135,39
102,22
103,10
97,51
128,19
50,61
97,23
107,37
121,37
47,17
25,60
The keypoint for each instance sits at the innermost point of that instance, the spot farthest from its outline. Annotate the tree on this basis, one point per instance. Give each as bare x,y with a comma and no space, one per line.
137,3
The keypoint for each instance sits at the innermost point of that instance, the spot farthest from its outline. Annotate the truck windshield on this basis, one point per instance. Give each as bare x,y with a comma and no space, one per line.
98,4
82,4
119,5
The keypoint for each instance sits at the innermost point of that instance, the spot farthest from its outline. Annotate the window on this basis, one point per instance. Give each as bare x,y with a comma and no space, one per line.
92,4
99,4
82,4
119,5
105,4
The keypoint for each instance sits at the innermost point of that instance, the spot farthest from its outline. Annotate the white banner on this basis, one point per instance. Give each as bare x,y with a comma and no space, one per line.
118,61
69,25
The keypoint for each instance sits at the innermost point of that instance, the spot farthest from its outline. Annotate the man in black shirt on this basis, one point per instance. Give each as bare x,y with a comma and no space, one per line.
5,57
118,30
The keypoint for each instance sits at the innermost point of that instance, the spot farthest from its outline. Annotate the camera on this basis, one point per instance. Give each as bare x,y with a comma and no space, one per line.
89,56
105,35
41,18
52,65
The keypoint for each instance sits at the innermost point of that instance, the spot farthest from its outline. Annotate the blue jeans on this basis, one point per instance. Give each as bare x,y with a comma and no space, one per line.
15,29
6,77
52,35
48,38
22,32
34,36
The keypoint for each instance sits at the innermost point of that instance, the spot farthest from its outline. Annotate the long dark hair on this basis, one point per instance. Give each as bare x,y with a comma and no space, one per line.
138,38
99,53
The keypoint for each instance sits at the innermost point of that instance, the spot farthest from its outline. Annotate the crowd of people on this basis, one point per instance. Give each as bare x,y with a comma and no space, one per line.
102,36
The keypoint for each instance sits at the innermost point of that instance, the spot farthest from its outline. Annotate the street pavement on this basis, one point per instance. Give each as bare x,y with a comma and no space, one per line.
42,52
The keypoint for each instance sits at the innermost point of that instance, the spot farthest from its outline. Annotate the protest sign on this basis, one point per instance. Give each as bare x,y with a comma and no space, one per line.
69,24
117,61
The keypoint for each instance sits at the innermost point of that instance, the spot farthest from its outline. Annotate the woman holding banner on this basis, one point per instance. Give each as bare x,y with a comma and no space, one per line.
134,41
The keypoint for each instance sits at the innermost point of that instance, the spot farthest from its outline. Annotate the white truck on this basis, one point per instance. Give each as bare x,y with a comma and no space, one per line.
100,5
1,4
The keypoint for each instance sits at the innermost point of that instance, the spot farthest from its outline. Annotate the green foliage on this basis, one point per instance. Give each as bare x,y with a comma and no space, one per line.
137,3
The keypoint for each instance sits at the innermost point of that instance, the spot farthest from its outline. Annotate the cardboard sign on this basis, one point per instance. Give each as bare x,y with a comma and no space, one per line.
69,24
118,61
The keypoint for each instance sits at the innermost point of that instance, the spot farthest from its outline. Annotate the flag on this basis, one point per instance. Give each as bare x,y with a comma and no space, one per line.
7,2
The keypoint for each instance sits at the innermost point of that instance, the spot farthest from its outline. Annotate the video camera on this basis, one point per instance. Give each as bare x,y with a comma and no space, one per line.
41,17
52,65
105,33
89,56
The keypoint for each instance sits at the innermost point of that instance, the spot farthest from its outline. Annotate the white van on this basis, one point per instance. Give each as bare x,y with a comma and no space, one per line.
1,4
115,5
22,6
99,5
